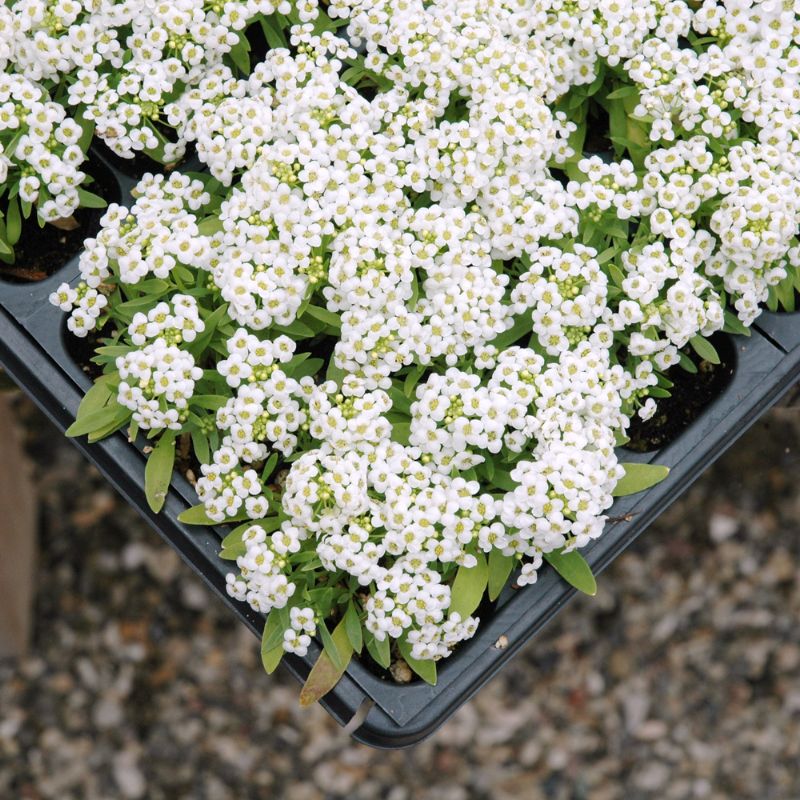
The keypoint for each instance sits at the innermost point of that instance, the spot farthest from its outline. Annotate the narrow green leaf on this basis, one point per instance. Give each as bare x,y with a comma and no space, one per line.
687,363
240,54
210,402
325,674
117,423
90,199
196,515
352,624
334,373
13,222
468,587
503,480
296,329
412,379
98,420
201,342
399,400
624,91
401,432
522,326
574,569
308,367
209,226
158,472
269,467
500,568
704,349
201,447
425,669
97,397
273,33
336,657
233,552
639,477
324,316
272,641
381,652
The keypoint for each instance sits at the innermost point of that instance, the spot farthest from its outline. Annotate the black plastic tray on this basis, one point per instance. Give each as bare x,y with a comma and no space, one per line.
33,351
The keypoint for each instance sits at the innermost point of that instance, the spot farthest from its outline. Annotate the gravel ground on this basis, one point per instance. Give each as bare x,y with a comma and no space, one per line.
681,679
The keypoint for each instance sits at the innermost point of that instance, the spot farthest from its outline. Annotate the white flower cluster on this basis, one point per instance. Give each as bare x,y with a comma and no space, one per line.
127,61
157,233
39,150
156,384
498,300
266,407
566,294
175,322
262,583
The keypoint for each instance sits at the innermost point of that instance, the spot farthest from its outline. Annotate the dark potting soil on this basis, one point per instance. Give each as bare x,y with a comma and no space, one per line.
82,351
690,394
42,251
140,163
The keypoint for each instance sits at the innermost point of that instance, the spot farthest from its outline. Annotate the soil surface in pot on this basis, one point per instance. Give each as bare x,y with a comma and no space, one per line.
690,394
141,163
40,252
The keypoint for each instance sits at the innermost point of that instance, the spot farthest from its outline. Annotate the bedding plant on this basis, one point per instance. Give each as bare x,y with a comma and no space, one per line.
439,256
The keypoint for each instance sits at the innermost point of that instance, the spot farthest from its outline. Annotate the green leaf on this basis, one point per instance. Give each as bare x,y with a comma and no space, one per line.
500,568
233,552
334,373
272,641
639,477
615,273
196,515
412,379
468,587
200,344
401,432
381,652
687,363
210,402
235,536
240,54
90,199
13,222
281,622
624,91
503,480
119,422
425,669
574,569
296,329
209,226
324,316
734,325
269,467
704,349
273,33
325,674
400,402
158,472
201,447
99,420
336,656
352,624
522,326
97,397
